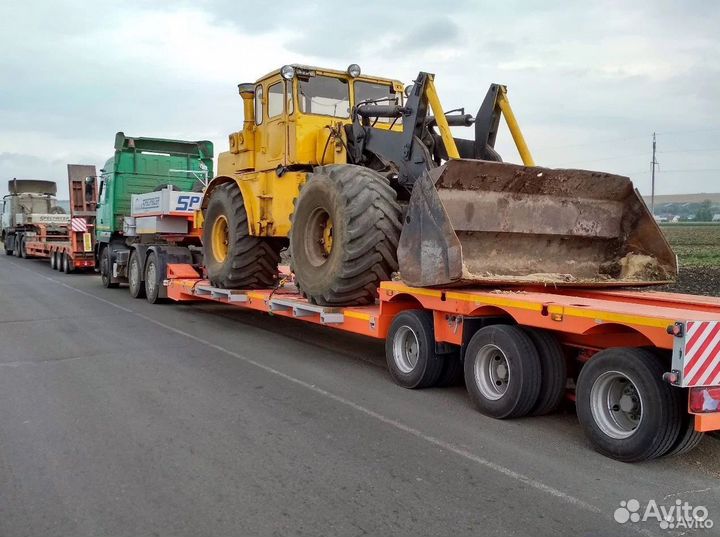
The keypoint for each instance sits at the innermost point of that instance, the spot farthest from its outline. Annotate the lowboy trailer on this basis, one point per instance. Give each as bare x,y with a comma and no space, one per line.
643,368
70,246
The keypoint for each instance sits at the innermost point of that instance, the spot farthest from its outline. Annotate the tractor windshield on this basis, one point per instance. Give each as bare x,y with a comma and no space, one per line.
375,93
324,95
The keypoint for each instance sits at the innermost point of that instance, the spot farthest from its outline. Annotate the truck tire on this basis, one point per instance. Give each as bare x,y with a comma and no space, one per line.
627,411
410,350
136,285
53,260
106,269
23,248
553,372
67,264
452,371
344,235
17,243
234,259
502,371
153,279
688,438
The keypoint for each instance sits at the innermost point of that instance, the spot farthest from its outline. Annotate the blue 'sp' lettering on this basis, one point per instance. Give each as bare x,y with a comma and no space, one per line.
188,202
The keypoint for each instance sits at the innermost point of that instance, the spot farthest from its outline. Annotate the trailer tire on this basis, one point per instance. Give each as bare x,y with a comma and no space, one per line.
239,260
344,235
106,269
410,350
67,263
553,371
625,408
53,260
452,372
136,285
153,279
502,371
688,438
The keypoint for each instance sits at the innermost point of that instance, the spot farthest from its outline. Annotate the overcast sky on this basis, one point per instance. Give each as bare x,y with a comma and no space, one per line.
589,84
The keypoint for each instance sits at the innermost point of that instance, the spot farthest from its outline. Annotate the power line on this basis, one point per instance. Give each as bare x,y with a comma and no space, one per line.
690,150
599,142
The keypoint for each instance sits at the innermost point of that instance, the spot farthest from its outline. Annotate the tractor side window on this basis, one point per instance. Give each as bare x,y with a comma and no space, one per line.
276,96
258,105
374,93
324,95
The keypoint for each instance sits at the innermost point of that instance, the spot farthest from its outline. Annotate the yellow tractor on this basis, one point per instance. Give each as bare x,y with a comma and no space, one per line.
363,177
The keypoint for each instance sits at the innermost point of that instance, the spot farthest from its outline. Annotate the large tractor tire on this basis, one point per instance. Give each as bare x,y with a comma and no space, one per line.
344,235
234,259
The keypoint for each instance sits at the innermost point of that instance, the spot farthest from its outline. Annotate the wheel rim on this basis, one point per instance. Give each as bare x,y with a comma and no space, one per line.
220,238
318,237
406,349
492,372
616,405
150,278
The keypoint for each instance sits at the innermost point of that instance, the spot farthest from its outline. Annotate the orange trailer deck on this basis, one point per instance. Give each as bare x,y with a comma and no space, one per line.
683,329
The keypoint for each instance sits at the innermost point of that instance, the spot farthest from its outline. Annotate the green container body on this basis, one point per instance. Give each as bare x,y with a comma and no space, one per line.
141,165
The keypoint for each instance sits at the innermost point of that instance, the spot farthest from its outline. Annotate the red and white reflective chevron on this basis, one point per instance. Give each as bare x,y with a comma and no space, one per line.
702,353
78,224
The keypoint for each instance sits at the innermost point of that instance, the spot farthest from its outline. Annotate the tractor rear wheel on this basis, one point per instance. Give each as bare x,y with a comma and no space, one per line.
344,235
234,259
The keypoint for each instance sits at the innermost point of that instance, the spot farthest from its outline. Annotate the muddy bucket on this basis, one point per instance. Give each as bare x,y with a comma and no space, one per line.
472,222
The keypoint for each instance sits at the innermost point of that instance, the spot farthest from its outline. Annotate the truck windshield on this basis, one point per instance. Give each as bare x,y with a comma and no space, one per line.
324,95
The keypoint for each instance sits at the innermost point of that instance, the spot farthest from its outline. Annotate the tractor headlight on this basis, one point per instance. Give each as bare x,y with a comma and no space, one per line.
408,90
287,72
353,70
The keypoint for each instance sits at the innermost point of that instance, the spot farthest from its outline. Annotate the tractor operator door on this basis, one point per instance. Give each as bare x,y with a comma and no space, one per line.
271,123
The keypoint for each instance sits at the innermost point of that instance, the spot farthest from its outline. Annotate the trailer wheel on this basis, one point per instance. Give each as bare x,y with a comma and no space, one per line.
502,371
53,260
153,279
553,372
452,372
135,283
688,438
106,269
67,263
627,411
410,350
23,248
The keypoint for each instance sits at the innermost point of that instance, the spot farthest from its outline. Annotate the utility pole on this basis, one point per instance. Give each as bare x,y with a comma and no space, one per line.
652,192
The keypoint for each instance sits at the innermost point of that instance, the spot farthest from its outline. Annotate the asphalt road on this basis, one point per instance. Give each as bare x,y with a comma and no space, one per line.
119,418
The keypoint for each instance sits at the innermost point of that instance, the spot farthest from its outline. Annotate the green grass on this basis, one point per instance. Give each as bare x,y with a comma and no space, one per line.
696,244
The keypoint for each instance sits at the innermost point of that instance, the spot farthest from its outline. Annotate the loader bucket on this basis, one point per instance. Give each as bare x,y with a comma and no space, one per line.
473,222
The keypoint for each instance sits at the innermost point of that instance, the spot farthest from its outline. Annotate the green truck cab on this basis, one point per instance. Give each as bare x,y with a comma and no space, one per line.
140,166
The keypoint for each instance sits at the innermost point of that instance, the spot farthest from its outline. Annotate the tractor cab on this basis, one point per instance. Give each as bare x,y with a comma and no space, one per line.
294,116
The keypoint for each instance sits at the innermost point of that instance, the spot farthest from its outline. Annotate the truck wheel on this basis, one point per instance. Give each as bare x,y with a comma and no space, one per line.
410,350
136,285
688,438
53,260
627,411
23,248
153,279
233,258
67,264
344,235
18,242
553,372
502,371
106,269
